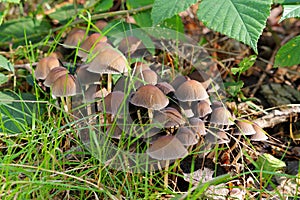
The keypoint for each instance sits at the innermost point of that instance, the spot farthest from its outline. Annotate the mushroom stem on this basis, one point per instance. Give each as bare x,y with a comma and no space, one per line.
150,115
109,82
166,174
66,103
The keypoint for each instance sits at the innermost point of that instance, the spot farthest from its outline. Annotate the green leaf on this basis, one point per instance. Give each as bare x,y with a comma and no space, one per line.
104,5
143,19
286,2
4,63
238,19
233,88
174,23
14,29
65,13
288,54
290,11
3,79
1,17
164,9
246,63
10,1
268,162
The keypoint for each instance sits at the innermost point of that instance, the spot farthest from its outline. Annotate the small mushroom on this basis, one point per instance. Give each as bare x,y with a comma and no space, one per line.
167,148
113,104
260,134
191,90
244,127
150,97
168,117
86,77
44,66
198,126
217,138
145,77
165,87
74,38
186,136
130,47
202,109
101,24
89,44
65,86
221,117
54,74
179,80
109,61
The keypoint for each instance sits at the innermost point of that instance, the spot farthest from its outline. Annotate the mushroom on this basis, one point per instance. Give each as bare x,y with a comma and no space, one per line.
167,148
54,74
147,76
217,138
202,109
165,87
65,86
260,134
186,136
109,61
201,77
44,66
198,126
74,38
150,97
86,77
220,116
169,118
101,24
244,127
89,44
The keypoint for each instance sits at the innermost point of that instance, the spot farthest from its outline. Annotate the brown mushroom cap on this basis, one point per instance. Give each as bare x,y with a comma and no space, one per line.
145,77
191,90
93,93
167,148
149,96
108,61
217,138
197,125
168,117
74,38
139,67
44,66
86,77
260,134
179,80
54,74
221,116
89,42
202,108
65,86
101,24
202,77
244,127
113,102
165,87
186,136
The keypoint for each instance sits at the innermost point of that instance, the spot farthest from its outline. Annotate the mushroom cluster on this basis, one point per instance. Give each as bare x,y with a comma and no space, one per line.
169,114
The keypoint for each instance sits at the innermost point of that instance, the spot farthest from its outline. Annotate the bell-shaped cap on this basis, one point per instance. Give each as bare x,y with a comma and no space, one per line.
260,134
44,66
197,125
74,38
86,77
167,148
191,90
220,137
168,117
65,86
244,127
149,96
202,108
113,103
186,136
147,76
221,116
165,87
90,42
54,74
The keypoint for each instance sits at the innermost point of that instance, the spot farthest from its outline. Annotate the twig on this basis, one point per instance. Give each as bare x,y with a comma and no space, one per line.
278,116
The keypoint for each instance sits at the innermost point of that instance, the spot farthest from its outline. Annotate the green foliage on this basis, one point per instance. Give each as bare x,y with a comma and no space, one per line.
239,19
290,11
244,65
16,29
288,55
64,13
5,64
100,6
143,19
10,1
164,9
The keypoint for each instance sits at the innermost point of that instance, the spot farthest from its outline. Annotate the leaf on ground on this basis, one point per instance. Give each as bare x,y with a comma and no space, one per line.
288,54
239,19
5,64
164,9
290,11
15,29
3,79
143,19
